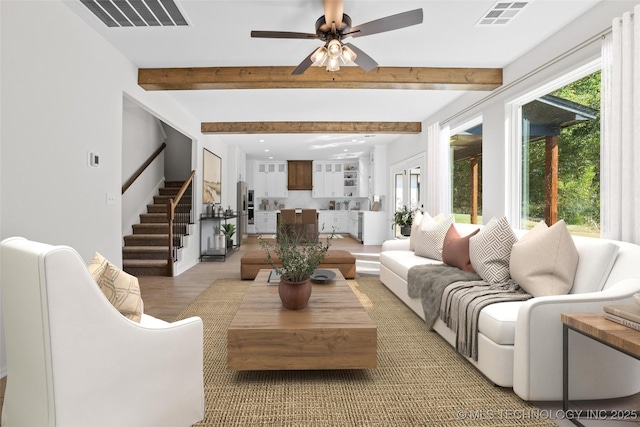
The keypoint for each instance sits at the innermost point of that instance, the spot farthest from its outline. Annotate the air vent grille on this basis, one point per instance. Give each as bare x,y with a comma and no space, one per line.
137,13
501,13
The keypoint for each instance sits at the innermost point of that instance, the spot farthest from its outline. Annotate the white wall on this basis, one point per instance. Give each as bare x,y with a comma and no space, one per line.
62,96
142,134
518,80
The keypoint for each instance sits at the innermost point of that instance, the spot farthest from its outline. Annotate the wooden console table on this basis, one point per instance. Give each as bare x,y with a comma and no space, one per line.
598,328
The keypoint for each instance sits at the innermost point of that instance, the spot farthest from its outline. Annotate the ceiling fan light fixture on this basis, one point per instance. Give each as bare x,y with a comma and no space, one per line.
348,55
319,56
334,48
333,64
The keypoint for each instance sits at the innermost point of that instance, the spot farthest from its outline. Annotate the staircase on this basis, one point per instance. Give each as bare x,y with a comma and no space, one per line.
146,251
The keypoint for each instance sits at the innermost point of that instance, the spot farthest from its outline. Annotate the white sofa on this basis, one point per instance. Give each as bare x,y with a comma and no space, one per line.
520,343
74,360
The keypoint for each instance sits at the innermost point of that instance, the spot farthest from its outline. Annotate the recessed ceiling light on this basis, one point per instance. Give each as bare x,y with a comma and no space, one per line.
346,149
262,140
270,157
354,140
266,150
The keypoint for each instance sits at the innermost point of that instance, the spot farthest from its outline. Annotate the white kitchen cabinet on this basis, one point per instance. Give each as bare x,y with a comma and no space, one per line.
265,222
375,227
328,179
270,179
318,180
353,224
337,221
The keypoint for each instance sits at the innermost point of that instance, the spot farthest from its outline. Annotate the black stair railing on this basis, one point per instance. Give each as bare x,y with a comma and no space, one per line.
179,216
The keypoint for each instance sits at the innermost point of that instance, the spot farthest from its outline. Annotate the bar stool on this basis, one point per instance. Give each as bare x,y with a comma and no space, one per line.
288,219
310,224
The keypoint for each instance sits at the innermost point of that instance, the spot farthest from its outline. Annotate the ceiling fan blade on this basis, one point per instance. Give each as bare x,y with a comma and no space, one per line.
306,63
282,35
333,11
363,60
389,23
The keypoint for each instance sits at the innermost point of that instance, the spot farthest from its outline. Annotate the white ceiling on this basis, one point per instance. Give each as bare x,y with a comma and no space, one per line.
219,35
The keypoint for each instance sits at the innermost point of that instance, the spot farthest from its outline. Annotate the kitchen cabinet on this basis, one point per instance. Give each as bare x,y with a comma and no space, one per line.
328,179
337,221
265,222
300,175
375,227
271,179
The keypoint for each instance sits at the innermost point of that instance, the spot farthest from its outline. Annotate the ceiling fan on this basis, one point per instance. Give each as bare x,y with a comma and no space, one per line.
334,26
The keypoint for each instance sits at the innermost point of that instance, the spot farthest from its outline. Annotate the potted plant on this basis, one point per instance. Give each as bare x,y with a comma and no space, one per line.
294,259
404,218
228,229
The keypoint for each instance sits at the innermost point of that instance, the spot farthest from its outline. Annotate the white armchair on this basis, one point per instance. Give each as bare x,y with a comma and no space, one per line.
74,360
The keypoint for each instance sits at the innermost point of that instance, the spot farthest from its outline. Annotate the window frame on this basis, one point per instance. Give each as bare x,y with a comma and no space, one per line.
513,144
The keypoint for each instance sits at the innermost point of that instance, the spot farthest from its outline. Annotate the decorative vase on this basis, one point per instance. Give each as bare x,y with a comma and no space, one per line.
405,231
294,295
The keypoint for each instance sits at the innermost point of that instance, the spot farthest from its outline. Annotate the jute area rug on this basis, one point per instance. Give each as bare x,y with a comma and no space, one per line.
420,379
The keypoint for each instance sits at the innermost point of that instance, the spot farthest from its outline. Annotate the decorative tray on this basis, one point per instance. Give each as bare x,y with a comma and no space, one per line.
322,276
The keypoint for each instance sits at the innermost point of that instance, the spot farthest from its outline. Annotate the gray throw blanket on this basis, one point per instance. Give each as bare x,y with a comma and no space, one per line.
427,282
461,304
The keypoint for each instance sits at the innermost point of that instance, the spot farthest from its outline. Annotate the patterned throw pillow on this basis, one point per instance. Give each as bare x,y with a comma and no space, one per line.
544,261
455,250
121,289
490,250
431,236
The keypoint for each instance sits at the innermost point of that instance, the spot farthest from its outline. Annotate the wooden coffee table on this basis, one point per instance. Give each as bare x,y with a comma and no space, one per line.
333,332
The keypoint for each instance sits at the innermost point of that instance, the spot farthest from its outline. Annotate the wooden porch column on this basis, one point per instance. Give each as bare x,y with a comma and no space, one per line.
473,165
551,179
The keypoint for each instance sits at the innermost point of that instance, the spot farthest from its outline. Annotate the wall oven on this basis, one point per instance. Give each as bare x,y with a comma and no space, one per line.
250,207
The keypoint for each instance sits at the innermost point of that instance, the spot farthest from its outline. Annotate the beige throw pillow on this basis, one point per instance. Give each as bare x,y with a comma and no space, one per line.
544,261
430,238
121,289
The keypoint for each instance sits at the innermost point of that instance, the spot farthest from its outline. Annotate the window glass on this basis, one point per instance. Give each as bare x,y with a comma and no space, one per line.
466,179
561,157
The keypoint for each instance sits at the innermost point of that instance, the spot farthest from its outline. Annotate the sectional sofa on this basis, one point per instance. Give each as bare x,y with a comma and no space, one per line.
520,343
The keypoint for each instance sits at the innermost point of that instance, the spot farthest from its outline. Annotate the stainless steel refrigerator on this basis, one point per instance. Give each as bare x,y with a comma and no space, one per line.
242,211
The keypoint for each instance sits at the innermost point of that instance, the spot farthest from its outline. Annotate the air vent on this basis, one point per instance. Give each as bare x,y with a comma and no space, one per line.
137,13
502,13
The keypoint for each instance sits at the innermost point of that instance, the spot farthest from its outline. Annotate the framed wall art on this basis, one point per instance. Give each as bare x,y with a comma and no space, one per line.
212,178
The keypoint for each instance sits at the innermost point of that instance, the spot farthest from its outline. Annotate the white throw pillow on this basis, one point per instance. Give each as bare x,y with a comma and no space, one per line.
415,226
596,258
490,250
544,261
430,237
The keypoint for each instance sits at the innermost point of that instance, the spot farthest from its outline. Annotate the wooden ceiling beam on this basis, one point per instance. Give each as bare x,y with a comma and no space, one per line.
416,78
312,127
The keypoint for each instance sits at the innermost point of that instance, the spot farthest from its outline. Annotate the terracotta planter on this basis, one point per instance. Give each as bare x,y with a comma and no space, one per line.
294,295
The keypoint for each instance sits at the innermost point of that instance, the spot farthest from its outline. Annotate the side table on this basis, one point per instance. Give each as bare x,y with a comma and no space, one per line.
598,328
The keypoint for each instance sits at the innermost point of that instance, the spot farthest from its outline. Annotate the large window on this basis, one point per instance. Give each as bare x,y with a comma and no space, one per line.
560,157
466,175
